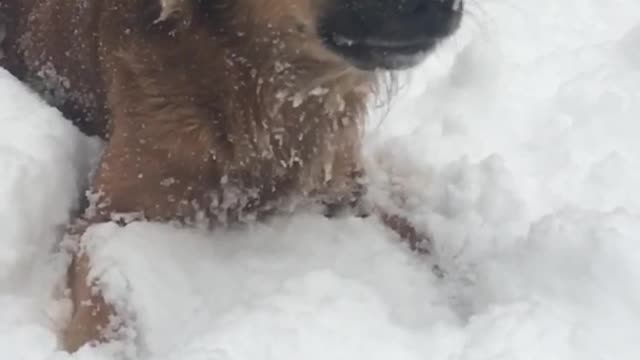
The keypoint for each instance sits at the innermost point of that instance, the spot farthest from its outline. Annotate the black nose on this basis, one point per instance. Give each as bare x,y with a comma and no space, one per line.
390,21
387,33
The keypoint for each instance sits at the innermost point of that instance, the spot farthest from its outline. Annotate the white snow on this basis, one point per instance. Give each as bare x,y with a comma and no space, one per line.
516,146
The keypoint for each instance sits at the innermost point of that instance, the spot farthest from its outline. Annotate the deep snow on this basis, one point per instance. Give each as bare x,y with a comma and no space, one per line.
516,146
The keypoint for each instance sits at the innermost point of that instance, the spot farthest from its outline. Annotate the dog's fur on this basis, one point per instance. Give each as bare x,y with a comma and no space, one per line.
247,111
215,109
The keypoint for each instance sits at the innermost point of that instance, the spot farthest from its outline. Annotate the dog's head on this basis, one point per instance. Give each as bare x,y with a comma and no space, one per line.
367,34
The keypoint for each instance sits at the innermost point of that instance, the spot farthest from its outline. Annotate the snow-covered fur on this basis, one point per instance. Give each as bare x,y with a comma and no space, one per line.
214,110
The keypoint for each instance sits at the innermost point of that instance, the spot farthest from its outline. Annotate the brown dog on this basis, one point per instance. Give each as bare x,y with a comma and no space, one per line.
215,109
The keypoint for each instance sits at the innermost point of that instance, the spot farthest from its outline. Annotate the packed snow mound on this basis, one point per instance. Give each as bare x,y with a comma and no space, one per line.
515,146
44,164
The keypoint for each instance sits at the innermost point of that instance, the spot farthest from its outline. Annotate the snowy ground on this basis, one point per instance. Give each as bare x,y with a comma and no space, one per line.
516,146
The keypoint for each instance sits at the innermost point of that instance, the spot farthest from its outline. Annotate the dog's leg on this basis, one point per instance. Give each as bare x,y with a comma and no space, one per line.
130,184
360,206
417,241
92,316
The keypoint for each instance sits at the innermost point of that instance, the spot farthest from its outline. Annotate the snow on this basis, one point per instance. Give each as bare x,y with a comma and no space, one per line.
515,146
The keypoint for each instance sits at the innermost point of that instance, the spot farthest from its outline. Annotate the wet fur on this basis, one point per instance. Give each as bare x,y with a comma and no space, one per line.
259,115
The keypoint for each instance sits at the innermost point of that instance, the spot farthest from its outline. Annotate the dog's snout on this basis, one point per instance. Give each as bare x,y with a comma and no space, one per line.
396,19
389,29
418,7
420,18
